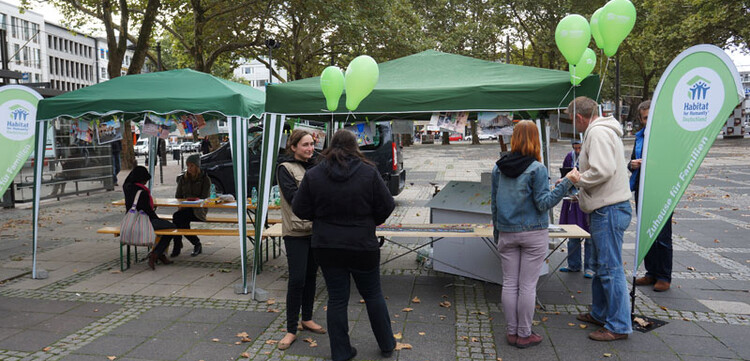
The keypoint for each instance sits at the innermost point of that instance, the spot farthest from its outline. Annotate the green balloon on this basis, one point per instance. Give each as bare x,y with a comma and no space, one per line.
572,37
361,77
332,85
594,23
615,23
584,67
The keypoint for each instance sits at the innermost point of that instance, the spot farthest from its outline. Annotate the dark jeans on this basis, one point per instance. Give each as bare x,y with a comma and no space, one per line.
658,260
159,223
300,292
368,284
182,219
115,166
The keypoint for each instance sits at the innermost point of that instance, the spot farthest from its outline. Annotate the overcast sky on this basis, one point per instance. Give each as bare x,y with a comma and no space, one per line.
51,14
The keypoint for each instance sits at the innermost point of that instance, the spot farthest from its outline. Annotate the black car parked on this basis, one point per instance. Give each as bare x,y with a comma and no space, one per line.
385,153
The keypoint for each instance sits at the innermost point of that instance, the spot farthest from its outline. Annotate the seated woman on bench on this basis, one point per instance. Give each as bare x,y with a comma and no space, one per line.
194,183
136,181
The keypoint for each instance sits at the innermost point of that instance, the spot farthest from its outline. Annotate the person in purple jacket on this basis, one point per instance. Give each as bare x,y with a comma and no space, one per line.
572,214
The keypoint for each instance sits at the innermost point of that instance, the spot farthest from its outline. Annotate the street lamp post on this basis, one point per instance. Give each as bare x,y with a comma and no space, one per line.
271,44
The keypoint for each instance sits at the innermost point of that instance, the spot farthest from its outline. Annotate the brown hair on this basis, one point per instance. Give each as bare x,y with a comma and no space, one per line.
584,106
645,105
343,146
294,139
525,140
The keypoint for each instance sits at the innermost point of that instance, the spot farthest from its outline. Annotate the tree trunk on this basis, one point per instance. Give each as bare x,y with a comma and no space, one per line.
141,47
474,132
446,138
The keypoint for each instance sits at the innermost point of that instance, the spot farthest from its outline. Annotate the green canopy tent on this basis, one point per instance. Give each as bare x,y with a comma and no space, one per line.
183,91
415,86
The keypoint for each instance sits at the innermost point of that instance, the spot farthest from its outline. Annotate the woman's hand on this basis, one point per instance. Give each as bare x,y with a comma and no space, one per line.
573,175
635,163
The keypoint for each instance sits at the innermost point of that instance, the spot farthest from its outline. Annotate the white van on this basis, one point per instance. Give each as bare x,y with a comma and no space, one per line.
141,146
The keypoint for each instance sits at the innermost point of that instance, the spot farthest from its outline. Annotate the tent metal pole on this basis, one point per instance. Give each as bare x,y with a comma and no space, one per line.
39,147
152,142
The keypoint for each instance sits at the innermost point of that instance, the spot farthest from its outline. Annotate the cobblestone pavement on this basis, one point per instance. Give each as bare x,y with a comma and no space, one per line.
88,310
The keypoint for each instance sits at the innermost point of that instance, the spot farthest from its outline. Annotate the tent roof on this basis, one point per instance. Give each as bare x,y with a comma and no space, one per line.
174,91
435,81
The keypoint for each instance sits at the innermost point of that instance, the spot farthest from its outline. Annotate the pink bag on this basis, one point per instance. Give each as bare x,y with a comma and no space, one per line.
136,228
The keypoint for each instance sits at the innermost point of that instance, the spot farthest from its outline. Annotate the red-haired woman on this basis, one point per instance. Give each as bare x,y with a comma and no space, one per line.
521,197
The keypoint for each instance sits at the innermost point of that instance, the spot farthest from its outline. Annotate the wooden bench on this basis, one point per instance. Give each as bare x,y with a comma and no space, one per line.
115,231
221,219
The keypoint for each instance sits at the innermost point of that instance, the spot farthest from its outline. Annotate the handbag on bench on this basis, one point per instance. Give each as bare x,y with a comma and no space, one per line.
136,228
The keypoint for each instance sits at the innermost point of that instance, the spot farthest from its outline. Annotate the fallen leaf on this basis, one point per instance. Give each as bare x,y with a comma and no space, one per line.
245,355
499,359
215,339
242,334
421,333
238,343
313,344
273,310
115,271
396,315
444,296
361,301
663,308
407,309
416,299
271,342
398,336
607,354
445,304
582,326
271,301
534,322
246,339
578,291
325,308
111,358
691,268
717,241
474,339
464,338
545,318
571,324
308,339
441,317
402,346
641,322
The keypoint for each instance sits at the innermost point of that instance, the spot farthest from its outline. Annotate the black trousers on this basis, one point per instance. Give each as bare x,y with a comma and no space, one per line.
159,223
182,219
658,260
303,269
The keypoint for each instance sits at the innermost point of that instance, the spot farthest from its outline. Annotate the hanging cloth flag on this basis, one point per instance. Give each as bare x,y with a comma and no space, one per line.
17,129
691,103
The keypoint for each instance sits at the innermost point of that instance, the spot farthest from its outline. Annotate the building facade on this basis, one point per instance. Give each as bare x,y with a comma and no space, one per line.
71,58
25,40
256,73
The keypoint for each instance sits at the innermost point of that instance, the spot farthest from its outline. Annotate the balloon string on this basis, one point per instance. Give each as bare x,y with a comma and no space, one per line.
604,74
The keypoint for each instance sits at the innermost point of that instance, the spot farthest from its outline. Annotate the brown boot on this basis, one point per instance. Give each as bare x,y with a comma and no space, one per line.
152,260
645,281
604,334
661,286
164,260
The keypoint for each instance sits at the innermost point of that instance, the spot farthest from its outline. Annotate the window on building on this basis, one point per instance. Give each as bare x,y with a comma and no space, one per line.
16,48
38,58
26,30
248,70
103,73
35,32
26,56
51,66
36,78
3,21
14,26
49,41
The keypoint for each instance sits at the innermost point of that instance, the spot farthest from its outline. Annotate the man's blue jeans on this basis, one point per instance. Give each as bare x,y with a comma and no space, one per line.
574,254
610,303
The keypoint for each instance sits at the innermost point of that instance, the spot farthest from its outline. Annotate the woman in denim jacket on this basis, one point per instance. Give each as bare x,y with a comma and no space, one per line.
520,200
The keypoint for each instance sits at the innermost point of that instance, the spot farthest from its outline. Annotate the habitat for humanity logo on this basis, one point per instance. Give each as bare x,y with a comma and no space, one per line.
18,122
697,98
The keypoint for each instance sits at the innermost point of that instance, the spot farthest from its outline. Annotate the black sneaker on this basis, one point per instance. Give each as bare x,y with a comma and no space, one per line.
386,354
197,249
354,354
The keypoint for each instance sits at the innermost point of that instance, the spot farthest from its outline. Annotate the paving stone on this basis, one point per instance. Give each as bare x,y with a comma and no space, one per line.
30,340
188,331
93,309
680,327
731,335
697,346
141,327
204,315
111,345
35,305
163,313
23,319
251,318
162,349
213,351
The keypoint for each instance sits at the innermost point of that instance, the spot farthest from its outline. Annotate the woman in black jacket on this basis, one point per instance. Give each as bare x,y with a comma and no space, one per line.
136,181
346,199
